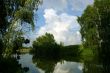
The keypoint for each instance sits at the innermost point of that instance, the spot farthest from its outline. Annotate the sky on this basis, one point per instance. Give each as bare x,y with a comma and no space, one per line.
59,17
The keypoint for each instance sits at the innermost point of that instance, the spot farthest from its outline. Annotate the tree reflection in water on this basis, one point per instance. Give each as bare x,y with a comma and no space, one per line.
10,65
96,65
70,65
52,65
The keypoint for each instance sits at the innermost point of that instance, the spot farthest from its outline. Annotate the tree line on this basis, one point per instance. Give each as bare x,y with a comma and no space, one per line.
45,46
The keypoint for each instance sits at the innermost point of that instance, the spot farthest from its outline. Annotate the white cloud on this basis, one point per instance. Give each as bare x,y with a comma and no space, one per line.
64,27
68,67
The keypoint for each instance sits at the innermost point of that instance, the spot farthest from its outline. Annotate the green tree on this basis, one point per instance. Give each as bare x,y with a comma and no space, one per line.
95,28
46,46
13,14
17,44
88,22
13,10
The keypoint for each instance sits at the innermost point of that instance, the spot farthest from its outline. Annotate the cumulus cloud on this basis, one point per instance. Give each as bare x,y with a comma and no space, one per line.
64,27
68,67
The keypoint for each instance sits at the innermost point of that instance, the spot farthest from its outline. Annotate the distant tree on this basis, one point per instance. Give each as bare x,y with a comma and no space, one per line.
46,46
45,39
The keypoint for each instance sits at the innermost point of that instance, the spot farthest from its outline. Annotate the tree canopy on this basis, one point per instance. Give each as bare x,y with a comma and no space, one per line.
13,10
45,39
95,28
46,46
13,14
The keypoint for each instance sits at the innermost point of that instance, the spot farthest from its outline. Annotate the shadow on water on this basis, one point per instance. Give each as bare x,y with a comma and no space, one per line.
96,67
10,65
61,65
41,65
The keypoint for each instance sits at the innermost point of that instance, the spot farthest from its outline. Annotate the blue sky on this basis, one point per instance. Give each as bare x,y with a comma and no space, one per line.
59,17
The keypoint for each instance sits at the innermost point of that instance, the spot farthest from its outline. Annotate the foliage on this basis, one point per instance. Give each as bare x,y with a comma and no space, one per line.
70,51
95,28
46,63
13,14
88,25
45,46
46,52
45,39
17,43
87,54
14,10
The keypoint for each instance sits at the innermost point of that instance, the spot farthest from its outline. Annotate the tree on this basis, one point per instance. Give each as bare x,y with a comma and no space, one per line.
17,44
46,46
88,22
95,28
13,10
13,14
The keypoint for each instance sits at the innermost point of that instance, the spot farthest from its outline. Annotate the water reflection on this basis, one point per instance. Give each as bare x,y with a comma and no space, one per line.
10,65
38,65
68,67
26,61
64,65
91,67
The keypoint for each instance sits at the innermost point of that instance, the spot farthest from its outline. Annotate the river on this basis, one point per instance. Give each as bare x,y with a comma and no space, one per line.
50,67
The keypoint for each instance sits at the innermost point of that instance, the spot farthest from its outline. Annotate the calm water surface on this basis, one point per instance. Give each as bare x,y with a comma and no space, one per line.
59,67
